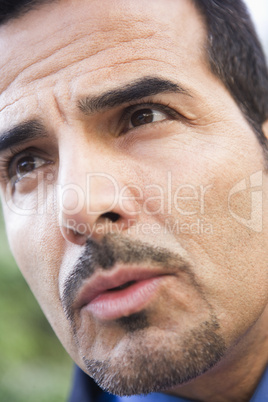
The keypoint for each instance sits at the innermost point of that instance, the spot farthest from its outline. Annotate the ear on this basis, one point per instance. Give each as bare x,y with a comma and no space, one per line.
265,129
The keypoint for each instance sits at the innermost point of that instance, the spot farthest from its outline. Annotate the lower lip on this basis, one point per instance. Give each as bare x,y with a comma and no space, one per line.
112,305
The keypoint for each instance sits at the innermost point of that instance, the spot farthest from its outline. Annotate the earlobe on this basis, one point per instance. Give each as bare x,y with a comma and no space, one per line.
265,129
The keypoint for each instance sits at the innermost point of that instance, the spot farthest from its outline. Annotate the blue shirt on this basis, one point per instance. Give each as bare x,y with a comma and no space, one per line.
85,390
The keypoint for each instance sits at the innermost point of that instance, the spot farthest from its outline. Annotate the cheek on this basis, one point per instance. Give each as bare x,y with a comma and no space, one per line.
214,224
232,261
37,247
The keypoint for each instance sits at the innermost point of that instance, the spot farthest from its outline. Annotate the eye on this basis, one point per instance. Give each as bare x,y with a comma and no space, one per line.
146,116
143,114
23,164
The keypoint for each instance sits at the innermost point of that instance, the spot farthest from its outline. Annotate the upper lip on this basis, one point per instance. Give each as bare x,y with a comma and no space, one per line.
101,282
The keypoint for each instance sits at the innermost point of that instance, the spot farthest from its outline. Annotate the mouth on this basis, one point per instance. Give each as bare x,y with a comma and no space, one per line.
122,287
120,293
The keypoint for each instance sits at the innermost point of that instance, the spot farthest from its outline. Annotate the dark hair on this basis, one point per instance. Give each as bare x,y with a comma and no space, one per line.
234,53
236,57
11,9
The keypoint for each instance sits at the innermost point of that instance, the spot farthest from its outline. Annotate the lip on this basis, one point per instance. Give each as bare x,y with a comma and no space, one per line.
97,296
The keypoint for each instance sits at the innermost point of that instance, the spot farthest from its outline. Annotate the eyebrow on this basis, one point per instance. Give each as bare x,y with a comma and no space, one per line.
137,90
134,91
22,133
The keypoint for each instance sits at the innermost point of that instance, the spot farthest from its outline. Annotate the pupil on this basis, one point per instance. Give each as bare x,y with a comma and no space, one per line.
25,165
144,116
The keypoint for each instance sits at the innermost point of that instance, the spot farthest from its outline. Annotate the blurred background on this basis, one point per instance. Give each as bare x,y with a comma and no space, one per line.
33,365
259,13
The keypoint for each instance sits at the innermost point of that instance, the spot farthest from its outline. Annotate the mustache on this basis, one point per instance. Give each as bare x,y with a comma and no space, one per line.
111,250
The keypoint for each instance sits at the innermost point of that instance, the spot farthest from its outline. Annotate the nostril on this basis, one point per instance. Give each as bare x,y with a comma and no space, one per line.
112,216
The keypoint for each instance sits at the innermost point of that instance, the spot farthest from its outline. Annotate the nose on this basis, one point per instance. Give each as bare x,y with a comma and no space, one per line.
93,200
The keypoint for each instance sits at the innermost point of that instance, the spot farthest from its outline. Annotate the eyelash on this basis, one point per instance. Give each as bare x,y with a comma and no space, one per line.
6,161
18,152
162,107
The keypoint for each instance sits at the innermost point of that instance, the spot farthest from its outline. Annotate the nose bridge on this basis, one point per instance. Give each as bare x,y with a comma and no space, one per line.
86,178
89,184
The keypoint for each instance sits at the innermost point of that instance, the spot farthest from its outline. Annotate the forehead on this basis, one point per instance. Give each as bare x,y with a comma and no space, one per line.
108,40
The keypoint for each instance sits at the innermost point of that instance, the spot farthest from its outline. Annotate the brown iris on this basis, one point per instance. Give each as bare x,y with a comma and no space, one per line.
25,165
142,116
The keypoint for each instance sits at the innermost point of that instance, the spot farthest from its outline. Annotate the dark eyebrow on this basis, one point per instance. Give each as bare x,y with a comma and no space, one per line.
22,133
144,87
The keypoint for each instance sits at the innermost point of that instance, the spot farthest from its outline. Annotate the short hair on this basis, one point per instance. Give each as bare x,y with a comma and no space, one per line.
237,58
233,49
12,9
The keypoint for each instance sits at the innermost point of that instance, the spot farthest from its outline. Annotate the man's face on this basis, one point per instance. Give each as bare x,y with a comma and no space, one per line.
119,180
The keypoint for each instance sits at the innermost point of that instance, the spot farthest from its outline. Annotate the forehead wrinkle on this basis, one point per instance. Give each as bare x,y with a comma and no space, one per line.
145,33
36,43
129,61
116,64
46,57
117,30
78,55
9,104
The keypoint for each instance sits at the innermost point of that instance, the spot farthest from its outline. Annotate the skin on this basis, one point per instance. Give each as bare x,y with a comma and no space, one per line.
67,53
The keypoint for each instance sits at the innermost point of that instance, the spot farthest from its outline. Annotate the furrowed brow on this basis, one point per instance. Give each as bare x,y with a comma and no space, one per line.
22,133
134,91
